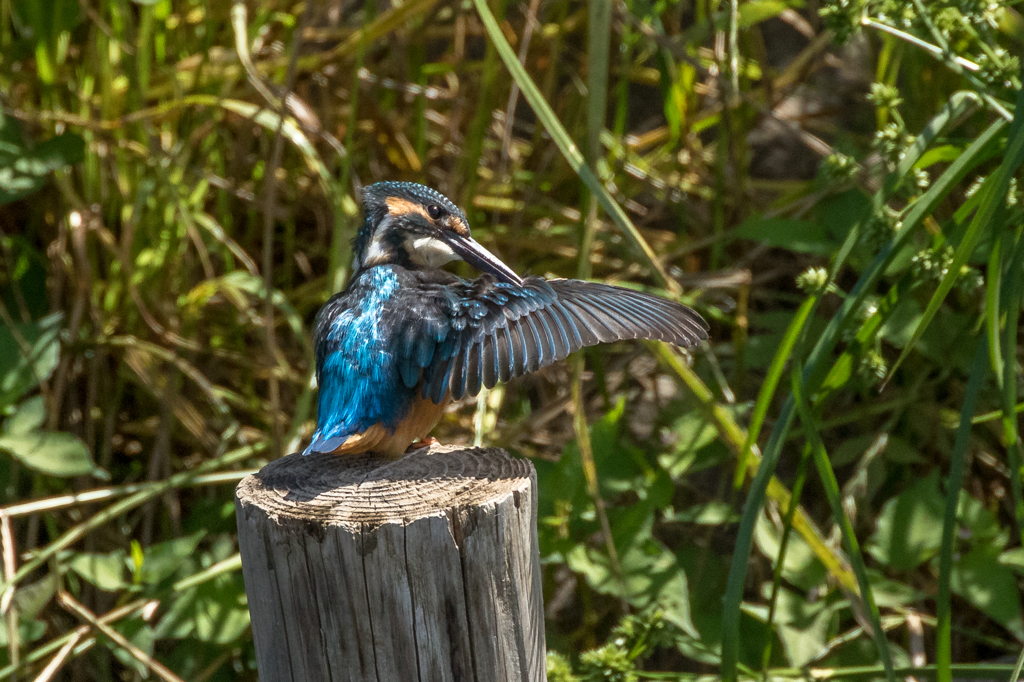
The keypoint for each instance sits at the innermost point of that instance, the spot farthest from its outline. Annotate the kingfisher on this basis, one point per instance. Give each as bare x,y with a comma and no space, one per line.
405,338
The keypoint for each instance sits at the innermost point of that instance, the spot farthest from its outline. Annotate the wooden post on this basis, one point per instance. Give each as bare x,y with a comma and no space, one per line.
420,569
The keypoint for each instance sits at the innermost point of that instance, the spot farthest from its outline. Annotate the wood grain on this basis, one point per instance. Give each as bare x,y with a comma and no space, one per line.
421,569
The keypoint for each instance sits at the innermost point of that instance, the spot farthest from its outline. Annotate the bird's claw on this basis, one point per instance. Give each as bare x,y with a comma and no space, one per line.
422,443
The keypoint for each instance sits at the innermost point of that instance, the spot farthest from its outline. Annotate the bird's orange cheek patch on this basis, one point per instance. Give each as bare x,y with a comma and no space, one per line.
459,226
399,207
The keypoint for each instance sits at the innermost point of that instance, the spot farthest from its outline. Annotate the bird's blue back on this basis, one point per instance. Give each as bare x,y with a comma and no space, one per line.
359,381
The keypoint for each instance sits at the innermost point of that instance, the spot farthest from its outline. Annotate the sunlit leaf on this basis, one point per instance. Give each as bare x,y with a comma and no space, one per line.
982,580
909,528
162,560
801,566
28,418
21,368
105,571
803,626
50,452
24,169
797,235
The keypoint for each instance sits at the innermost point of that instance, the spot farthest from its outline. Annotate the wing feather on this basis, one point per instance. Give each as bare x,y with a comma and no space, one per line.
489,362
474,374
498,331
560,339
534,348
578,335
504,359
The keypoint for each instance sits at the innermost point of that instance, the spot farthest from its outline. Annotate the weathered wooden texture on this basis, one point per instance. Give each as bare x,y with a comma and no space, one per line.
421,569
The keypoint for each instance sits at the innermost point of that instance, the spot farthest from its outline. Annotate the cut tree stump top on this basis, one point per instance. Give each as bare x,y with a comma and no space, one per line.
364,490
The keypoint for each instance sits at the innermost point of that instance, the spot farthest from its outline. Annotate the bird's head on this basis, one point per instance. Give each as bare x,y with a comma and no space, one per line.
414,226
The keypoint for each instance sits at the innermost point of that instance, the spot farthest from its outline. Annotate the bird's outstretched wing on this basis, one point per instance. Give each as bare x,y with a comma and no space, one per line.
496,331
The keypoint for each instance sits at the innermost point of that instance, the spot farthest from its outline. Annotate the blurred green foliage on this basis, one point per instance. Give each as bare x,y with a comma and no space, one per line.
831,488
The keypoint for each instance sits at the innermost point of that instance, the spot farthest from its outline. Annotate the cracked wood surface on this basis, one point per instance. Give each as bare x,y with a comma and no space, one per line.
421,569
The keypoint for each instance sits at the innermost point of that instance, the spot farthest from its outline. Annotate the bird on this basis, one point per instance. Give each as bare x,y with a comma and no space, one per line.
404,337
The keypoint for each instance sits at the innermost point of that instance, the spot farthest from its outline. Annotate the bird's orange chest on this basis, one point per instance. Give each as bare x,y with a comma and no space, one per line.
421,418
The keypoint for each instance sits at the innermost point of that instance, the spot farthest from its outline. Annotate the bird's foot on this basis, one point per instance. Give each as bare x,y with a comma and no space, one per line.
422,443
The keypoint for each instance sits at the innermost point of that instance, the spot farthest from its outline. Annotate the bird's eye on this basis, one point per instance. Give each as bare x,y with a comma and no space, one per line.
434,211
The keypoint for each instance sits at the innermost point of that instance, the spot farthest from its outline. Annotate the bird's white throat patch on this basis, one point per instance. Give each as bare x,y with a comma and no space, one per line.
429,251
376,253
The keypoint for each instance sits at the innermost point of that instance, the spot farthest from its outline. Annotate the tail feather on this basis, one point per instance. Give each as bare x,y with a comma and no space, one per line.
348,444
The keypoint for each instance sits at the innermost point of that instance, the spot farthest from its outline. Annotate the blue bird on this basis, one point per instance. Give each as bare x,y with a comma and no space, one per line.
405,338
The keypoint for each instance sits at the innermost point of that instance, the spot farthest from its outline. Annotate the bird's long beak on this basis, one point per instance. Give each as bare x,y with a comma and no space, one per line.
469,250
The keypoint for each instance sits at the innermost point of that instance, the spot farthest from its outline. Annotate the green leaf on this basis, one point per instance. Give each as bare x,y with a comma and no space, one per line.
978,525
674,602
105,571
841,213
796,235
28,630
1014,558
712,513
803,626
691,432
960,105
162,560
30,416
24,169
29,601
829,482
941,154
139,633
990,586
954,494
909,529
816,365
651,574
756,11
20,372
800,567
31,598
220,620
51,452
893,593
215,612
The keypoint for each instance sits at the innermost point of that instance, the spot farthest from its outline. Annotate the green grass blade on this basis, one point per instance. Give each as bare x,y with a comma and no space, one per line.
780,560
771,382
815,370
832,492
993,294
599,18
960,104
565,144
733,597
943,610
1017,669
1011,432
1002,304
991,202
478,129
